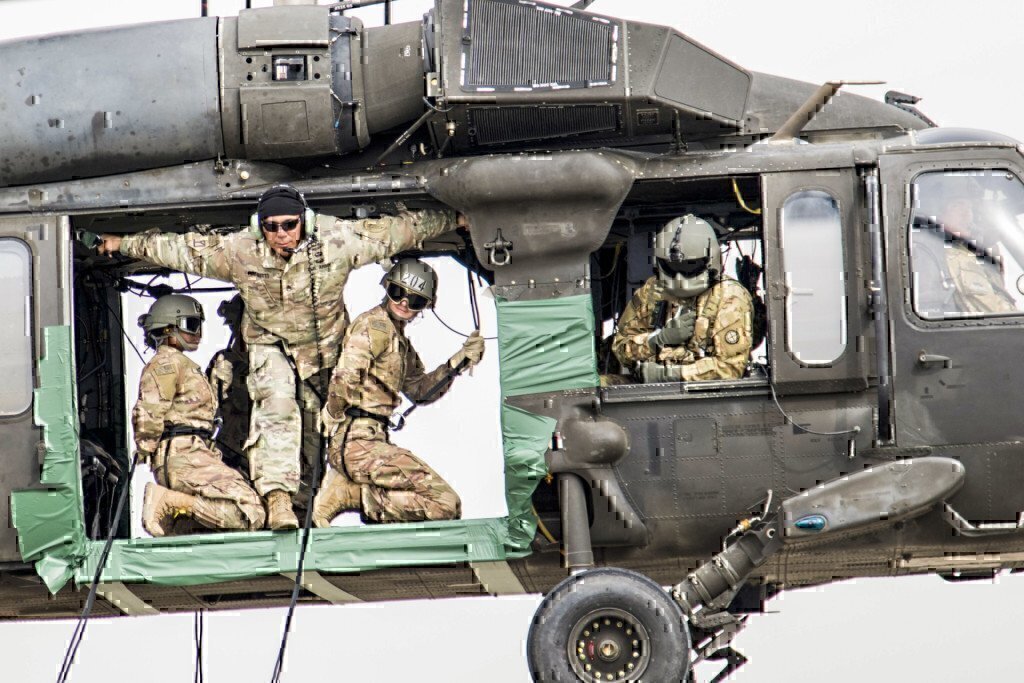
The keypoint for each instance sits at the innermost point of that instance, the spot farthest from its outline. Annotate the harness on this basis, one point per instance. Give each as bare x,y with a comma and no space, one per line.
172,431
357,413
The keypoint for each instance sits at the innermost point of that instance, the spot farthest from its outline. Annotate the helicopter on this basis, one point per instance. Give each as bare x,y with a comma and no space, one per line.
681,175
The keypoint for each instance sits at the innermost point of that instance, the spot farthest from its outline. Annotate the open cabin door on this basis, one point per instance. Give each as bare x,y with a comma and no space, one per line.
35,267
817,312
955,240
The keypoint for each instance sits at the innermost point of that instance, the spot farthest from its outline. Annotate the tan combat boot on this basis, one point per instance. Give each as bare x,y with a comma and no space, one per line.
279,511
337,494
161,506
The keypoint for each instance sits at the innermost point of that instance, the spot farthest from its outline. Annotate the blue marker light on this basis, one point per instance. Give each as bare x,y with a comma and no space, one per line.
811,523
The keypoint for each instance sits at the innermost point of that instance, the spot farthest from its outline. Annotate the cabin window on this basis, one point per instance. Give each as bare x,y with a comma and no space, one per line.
16,332
966,238
812,247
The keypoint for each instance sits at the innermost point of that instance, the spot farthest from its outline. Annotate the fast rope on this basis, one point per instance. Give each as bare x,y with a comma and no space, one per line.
316,259
83,620
197,636
853,430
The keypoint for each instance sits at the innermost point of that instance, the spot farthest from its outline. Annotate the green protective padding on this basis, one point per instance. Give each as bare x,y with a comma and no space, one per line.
51,530
209,558
543,346
546,345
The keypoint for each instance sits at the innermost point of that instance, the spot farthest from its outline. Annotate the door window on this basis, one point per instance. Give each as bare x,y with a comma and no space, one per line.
966,237
16,330
812,246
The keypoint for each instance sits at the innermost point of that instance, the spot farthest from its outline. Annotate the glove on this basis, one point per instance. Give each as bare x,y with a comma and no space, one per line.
328,423
653,373
221,375
676,332
472,351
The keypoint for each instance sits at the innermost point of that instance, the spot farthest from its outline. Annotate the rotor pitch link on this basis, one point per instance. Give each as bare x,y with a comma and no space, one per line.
727,570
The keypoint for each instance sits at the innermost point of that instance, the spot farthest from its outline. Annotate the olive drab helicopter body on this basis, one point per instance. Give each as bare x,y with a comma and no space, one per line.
873,435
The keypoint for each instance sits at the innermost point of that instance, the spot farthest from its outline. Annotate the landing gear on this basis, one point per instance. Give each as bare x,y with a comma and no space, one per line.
609,624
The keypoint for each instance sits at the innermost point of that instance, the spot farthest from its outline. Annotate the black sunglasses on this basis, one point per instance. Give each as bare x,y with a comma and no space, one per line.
396,293
287,226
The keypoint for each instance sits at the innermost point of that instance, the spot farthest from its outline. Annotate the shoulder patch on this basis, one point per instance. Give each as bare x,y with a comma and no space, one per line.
167,384
379,325
166,369
732,336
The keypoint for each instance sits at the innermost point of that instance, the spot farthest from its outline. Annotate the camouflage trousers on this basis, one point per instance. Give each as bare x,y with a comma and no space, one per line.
224,500
396,485
284,429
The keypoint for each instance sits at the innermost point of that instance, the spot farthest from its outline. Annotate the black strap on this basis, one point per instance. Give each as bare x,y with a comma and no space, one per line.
172,431
356,413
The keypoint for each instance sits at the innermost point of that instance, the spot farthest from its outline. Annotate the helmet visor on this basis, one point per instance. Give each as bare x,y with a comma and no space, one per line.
193,324
396,293
685,267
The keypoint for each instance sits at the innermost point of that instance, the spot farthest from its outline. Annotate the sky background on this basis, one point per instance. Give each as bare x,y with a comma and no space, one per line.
959,57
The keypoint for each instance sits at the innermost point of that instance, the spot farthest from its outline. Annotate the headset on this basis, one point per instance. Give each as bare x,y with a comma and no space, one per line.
308,215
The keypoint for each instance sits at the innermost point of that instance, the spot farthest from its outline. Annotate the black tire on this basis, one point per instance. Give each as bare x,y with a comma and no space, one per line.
637,624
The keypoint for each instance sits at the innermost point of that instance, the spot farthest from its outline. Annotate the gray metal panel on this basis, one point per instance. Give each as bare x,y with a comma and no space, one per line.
392,75
20,437
283,26
287,121
157,105
699,79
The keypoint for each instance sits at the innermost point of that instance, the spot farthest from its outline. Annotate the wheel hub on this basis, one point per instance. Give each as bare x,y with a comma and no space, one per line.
608,645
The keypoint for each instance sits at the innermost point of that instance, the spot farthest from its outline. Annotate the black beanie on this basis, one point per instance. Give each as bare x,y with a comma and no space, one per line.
280,201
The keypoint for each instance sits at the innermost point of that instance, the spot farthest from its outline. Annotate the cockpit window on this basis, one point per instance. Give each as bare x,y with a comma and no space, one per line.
967,244
16,332
812,246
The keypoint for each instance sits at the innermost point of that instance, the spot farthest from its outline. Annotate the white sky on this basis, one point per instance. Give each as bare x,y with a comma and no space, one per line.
961,59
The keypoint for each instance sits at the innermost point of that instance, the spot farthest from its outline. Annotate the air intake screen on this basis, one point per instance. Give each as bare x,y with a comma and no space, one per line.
528,46
496,126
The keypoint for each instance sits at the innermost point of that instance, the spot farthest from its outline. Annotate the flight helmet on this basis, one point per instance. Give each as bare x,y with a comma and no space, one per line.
171,315
687,257
412,280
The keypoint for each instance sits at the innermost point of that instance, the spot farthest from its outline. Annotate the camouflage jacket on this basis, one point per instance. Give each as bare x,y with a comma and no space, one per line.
276,291
377,364
978,285
720,346
173,391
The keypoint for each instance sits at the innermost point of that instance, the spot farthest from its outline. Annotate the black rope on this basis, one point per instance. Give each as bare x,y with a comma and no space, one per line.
83,620
317,260
124,332
197,635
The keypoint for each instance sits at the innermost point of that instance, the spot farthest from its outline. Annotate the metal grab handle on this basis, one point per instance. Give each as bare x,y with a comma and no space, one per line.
924,358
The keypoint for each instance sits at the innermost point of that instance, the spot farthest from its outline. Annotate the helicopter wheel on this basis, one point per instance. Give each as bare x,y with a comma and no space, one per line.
608,624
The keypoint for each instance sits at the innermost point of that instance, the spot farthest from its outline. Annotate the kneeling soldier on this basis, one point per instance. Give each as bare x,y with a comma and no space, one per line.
173,423
377,364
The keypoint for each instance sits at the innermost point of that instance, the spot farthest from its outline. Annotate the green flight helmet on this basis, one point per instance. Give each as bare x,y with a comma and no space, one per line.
178,312
412,280
687,256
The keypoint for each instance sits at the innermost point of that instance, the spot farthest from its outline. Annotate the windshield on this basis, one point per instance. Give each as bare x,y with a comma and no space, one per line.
967,244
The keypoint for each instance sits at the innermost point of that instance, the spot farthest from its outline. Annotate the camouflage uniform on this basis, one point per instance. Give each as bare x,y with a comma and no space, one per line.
174,393
721,342
378,363
977,283
279,317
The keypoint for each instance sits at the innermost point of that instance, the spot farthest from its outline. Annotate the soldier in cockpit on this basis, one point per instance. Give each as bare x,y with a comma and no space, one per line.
688,322
957,272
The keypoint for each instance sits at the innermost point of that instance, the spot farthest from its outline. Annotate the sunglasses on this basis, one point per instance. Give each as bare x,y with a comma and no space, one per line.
396,293
287,226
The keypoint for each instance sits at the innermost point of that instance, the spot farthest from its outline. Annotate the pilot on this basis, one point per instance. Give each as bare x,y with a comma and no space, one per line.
173,425
377,365
976,274
270,264
687,322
